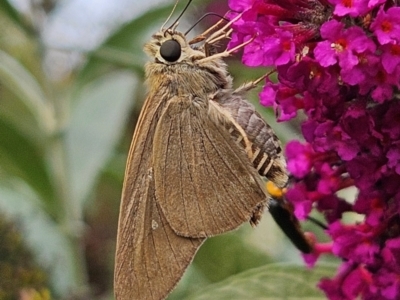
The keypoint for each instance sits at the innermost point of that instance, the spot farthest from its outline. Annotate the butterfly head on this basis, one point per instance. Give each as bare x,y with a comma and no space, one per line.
170,47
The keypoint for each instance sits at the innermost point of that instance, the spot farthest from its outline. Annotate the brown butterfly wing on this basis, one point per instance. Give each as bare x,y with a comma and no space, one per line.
205,183
150,256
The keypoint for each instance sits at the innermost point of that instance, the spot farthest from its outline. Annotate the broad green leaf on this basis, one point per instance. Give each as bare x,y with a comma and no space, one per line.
231,252
96,126
218,258
273,281
121,57
192,281
14,15
46,239
20,81
19,157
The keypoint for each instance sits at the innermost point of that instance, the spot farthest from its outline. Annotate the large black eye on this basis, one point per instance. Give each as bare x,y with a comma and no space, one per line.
170,50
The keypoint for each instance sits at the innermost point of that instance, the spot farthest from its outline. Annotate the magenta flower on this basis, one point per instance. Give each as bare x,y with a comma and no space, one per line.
318,249
339,62
386,25
350,48
302,199
286,99
349,283
390,57
353,8
300,158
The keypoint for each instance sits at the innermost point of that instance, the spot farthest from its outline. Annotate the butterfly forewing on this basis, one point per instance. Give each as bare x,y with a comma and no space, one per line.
151,257
155,259
205,183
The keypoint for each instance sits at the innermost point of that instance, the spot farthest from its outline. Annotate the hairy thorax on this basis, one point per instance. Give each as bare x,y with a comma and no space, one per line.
182,79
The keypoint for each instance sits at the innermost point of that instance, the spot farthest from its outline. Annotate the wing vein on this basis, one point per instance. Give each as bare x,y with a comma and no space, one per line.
211,181
224,186
182,153
158,263
223,158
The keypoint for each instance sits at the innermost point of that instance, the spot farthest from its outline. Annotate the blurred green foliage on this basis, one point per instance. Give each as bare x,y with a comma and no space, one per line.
19,272
63,147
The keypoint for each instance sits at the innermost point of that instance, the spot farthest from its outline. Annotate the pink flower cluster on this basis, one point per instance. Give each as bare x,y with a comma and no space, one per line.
338,61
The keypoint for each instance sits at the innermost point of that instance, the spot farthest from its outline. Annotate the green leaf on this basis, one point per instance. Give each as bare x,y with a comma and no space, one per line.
49,244
14,15
231,252
273,281
19,157
121,57
23,84
96,126
192,281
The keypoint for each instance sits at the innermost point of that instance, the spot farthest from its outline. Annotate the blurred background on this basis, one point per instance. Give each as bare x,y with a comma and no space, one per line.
71,89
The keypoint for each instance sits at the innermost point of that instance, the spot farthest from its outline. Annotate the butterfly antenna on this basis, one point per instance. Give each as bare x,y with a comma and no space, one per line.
203,17
183,11
170,15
